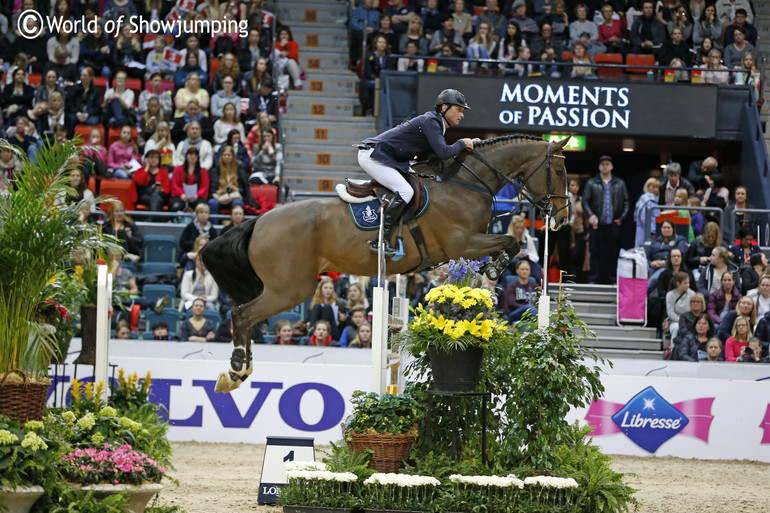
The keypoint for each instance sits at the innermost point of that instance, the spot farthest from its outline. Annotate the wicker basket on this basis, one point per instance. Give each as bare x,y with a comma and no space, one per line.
23,401
390,451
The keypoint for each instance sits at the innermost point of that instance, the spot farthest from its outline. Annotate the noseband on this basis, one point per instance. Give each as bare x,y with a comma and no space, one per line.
543,203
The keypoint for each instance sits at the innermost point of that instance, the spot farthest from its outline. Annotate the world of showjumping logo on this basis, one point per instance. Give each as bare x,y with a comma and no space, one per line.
649,420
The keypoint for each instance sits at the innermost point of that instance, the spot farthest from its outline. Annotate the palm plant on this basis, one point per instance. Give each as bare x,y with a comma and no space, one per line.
38,233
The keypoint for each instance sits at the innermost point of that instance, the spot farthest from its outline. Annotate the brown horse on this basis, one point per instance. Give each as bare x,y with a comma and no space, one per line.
270,264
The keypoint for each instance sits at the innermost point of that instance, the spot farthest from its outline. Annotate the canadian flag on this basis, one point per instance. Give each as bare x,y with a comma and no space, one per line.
186,5
173,16
172,56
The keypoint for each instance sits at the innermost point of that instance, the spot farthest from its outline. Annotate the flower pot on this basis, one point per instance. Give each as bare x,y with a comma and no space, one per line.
456,371
22,400
390,451
87,335
139,495
62,347
21,499
314,509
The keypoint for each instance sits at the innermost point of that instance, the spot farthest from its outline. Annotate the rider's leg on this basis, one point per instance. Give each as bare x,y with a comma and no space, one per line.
391,214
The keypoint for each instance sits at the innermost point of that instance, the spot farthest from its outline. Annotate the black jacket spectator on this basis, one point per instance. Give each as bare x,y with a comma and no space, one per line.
79,100
69,72
243,182
190,233
683,183
762,331
33,48
697,249
672,51
593,197
177,129
646,29
23,101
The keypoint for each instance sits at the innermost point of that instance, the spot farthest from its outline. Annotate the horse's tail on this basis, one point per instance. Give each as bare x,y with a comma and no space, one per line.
227,259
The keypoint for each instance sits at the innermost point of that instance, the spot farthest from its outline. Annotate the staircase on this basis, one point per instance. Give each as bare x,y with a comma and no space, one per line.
597,306
319,127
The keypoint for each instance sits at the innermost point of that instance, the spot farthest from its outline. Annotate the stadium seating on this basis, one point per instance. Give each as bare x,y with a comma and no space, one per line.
160,248
289,316
608,58
169,315
117,188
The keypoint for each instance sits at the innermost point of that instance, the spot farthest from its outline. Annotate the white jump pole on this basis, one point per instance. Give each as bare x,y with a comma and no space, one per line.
103,304
380,321
544,303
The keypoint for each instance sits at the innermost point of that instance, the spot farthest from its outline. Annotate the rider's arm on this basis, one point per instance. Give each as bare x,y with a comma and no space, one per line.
438,144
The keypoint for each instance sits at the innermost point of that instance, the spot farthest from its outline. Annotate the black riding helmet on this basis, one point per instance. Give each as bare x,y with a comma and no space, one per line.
451,97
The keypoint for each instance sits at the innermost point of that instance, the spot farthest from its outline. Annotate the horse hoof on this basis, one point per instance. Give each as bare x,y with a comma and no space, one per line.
225,384
492,273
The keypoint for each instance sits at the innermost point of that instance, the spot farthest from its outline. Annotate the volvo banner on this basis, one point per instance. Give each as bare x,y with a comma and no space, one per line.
583,106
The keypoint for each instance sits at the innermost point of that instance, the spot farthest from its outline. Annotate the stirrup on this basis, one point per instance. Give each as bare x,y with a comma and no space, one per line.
394,254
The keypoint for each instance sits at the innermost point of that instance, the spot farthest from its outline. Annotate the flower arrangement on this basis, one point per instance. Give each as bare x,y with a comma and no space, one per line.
457,316
496,493
320,488
400,492
113,466
386,413
25,456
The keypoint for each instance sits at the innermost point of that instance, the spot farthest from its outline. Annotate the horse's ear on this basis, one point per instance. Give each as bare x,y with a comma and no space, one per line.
561,144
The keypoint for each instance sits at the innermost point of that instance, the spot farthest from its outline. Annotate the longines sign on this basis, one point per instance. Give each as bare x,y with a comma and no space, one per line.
585,106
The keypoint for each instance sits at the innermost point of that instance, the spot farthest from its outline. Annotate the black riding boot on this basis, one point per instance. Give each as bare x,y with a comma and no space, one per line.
392,213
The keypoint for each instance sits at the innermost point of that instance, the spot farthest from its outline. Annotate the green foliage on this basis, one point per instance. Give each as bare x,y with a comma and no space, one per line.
38,233
321,493
386,413
26,458
68,499
342,459
441,466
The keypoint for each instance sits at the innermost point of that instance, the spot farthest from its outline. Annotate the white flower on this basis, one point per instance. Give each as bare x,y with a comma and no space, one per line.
402,480
321,475
86,422
500,482
551,482
305,465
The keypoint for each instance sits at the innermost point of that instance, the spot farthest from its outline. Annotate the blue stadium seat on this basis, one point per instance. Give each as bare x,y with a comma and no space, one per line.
271,339
127,264
147,335
154,291
169,315
160,248
159,268
292,317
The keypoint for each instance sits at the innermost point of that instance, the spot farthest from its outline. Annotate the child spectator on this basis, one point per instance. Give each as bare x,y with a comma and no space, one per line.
283,331
161,142
714,71
327,307
94,155
696,217
160,331
363,336
356,316
320,336
155,63
123,155
375,62
714,351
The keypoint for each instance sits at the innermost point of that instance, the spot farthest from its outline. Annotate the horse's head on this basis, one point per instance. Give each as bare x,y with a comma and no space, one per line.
547,181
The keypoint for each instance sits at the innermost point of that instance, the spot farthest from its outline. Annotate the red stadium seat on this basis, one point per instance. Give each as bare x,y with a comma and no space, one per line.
214,63
85,131
114,135
101,83
608,58
639,60
35,79
119,188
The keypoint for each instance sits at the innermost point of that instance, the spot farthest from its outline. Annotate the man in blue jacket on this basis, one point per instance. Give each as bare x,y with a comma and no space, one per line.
386,156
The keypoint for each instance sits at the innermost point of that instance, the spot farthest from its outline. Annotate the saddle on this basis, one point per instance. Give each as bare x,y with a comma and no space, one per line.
359,191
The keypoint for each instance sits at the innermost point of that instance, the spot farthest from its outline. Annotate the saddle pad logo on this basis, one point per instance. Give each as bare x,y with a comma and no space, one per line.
649,420
366,216
369,214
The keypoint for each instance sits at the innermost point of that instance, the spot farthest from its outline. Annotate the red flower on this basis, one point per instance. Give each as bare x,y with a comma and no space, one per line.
101,262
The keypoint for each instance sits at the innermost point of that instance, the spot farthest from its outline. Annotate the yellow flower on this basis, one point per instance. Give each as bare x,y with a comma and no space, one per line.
486,329
87,421
473,328
97,438
7,438
108,411
34,442
69,417
460,329
467,303
33,425
439,323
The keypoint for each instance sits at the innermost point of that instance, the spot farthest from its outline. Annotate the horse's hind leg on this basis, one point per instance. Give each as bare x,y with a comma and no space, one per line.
501,248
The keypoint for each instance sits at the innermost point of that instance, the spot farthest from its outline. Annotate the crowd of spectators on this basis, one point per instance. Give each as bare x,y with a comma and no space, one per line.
171,128
558,38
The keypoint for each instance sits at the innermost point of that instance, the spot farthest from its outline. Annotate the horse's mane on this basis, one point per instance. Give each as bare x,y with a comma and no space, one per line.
508,137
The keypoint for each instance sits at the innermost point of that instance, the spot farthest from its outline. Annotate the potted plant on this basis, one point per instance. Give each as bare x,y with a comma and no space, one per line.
25,465
385,492
385,424
313,489
459,322
39,231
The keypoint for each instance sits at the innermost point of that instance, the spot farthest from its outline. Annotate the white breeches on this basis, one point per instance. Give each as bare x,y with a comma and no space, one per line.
386,175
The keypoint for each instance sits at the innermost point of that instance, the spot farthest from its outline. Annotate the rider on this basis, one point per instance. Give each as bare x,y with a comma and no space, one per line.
386,157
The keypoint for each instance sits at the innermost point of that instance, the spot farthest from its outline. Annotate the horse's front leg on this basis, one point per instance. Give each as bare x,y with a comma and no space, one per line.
500,247
240,361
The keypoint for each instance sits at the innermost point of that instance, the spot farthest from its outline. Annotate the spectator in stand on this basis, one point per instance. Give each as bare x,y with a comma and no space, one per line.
385,29
192,113
527,251
79,185
715,72
734,52
696,217
123,155
401,15
674,265
18,135
463,21
727,10
229,182
229,121
200,226
649,198
118,103
126,51
763,291
49,85
447,34
412,62
753,353
191,69
95,51
66,71
682,21
707,26
228,68
665,10
612,31
224,96
740,21
84,101
585,31
155,63
605,219
748,74
676,48
647,34
357,297
692,346
716,195
327,307
255,134
748,220
94,155
164,97
578,224
197,328
547,39
252,48
192,46
671,183
414,33
521,295
189,173
714,351
53,116
195,140
151,185
258,76
720,263
286,58
506,49
745,308
364,21
266,100
363,335
687,319
123,228
735,347
431,18
65,40
480,45
17,97
492,17
161,142
34,49
528,26
283,331
580,57
744,249
267,162
356,317
320,336
559,20
723,299
148,123
236,218
658,252
374,63
697,172
234,139
188,259
678,301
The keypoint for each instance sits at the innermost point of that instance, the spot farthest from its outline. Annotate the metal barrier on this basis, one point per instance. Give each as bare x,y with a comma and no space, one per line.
660,208
758,235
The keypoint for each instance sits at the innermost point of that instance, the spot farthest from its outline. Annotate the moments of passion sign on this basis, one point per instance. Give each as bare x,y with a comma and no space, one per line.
584,106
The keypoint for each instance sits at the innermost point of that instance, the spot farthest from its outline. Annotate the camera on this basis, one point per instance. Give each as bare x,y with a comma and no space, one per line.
748,351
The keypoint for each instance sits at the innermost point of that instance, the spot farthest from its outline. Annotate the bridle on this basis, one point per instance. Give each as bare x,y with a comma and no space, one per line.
543,203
